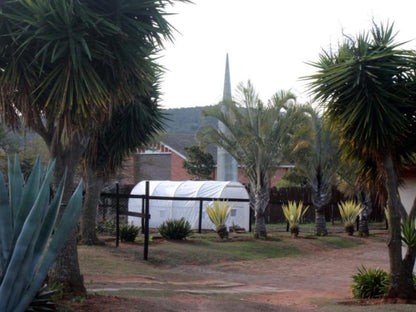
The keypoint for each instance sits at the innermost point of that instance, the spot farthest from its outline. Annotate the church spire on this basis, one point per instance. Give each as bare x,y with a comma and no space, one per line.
226,96
227,169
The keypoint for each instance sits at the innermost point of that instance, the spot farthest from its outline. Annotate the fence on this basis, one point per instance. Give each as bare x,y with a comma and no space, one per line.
114,206
120,202
280,197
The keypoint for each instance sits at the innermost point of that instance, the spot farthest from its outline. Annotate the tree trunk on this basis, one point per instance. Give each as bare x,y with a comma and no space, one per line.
320,222
94,183
260,225
401,282
259,200
321,196
65,271
363,228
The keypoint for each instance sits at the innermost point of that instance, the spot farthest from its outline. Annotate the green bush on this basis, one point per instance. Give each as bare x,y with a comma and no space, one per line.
105,227
175,229
129,232
370,283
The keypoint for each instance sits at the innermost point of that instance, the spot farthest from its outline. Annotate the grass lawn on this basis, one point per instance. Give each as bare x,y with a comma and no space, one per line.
236,274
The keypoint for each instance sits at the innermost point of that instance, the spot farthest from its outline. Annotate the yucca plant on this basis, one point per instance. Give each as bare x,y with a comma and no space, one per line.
349,211
175,229
30,236
293,213
219,215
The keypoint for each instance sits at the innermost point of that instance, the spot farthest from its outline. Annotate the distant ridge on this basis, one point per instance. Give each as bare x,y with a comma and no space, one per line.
186,120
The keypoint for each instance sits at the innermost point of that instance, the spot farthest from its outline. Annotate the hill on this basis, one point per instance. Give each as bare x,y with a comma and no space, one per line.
186,120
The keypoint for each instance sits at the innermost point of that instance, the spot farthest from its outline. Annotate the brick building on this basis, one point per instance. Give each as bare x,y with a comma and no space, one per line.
163,161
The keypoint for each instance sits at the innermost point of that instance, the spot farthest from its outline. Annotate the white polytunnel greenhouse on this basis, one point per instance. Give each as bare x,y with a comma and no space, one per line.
162,210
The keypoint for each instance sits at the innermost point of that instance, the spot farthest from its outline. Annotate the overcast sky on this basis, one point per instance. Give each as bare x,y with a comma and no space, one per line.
268,42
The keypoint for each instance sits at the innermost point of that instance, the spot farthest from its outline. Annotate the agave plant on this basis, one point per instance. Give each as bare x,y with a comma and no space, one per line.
293,213
219,215
409,232
30,236
349,211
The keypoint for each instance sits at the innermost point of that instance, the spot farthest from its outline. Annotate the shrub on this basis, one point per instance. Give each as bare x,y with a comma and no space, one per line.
370,283
349,212
218,216
105,227
129,232
293,213
175,229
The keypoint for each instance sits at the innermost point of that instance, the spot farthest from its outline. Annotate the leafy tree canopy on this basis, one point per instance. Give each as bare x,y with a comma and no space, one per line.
199,163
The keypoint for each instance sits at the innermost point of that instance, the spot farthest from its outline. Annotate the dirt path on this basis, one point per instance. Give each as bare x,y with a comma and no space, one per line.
288,284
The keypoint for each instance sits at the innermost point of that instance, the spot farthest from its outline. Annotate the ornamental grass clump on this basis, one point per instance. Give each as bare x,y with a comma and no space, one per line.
175,229
349,211
370,283
218,216
294,213
129,232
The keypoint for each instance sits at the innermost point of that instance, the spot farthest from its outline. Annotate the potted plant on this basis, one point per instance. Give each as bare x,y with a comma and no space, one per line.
349,211
293,213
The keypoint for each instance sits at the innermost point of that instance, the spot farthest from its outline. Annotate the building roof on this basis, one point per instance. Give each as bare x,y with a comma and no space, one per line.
178,142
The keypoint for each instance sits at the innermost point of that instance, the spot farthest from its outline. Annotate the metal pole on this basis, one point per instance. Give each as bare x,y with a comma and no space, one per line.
249,218
200,217
117,216
146,224
142,216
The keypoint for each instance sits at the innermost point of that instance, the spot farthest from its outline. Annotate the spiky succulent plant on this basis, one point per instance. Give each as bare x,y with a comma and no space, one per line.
30,236
219,215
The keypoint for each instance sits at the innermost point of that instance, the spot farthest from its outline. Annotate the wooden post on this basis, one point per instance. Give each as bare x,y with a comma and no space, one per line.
117,216
146,223
200,217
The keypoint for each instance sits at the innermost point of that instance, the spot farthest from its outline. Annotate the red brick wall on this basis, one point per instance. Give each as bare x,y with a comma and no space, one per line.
178,173
242,178
126,175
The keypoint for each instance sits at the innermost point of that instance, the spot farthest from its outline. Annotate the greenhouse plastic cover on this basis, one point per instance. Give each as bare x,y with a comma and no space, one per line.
162,210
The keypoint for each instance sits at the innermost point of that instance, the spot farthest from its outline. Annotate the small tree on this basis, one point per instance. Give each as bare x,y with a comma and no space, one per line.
199,164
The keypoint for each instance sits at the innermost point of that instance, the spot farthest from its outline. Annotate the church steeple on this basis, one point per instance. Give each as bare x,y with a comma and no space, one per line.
227,169
226,96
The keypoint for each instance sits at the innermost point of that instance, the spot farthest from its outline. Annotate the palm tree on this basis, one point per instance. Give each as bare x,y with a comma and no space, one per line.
64,68
131,126
257,133
368,89
316,157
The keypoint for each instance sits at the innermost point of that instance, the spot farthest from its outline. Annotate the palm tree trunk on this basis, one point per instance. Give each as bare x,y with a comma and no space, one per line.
320,221
259,200
401,281
65,271
94,183
363,228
